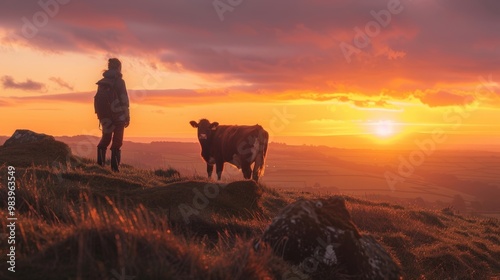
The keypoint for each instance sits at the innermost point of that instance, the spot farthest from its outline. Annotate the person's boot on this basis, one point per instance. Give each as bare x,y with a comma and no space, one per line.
101,156
115,159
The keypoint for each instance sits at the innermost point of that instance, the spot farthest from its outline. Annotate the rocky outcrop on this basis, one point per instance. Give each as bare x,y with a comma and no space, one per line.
24,136
25,148
321,240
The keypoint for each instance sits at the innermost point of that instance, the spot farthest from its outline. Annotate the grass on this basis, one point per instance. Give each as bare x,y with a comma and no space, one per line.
46,152
84,222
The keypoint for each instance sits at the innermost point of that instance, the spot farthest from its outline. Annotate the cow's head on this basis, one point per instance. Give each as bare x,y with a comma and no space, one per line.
205,129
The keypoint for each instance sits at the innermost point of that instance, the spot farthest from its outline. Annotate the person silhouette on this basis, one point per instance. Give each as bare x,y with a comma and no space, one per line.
114,122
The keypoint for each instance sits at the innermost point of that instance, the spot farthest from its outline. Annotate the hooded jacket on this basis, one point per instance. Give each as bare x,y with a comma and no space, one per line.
123,112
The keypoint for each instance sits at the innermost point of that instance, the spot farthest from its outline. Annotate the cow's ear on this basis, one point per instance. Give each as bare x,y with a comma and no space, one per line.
193,124
214,125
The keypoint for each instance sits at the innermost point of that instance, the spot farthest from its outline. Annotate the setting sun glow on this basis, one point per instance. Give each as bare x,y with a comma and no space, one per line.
384,128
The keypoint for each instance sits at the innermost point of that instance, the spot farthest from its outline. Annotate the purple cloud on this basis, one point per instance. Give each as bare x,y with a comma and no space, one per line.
9,83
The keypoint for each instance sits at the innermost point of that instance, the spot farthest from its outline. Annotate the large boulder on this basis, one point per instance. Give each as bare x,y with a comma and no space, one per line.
320,239
24,136
25,148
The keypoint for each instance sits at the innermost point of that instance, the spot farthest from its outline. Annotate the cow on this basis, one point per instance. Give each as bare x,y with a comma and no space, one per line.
239,145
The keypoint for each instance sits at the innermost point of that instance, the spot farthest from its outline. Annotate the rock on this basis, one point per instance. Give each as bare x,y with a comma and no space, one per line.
320,238
23,136
244,194
26,148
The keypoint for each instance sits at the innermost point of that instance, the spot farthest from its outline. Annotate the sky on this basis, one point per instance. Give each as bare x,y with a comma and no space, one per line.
330,70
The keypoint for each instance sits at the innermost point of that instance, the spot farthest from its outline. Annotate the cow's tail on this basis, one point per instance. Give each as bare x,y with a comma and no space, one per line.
260,160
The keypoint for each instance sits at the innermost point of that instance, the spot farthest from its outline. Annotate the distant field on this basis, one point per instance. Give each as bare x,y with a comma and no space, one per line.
441,177
355,182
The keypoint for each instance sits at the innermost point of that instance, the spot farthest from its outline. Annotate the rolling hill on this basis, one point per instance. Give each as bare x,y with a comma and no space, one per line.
77,220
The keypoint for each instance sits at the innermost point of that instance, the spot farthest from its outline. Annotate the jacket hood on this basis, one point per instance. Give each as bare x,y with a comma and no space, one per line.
112,74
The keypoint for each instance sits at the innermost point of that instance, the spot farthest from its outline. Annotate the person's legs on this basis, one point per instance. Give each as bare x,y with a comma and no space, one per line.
103,145
116,156
115,147
101,156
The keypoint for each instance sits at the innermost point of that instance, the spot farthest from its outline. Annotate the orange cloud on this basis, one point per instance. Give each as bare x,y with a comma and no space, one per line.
61,83
444,98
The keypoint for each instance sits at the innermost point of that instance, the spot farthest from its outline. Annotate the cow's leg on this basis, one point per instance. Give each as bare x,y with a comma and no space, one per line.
258,166
210,169
255,173
247,170
219,166
260,159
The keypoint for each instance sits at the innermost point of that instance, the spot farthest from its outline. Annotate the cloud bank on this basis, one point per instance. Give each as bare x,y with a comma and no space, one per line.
281,46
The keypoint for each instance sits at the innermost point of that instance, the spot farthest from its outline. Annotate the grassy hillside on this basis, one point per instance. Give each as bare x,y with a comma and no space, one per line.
80,221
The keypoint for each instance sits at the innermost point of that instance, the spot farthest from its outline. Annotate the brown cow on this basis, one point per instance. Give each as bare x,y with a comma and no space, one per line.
239,145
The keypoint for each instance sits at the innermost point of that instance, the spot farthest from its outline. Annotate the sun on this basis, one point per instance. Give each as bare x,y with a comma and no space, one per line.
383,128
